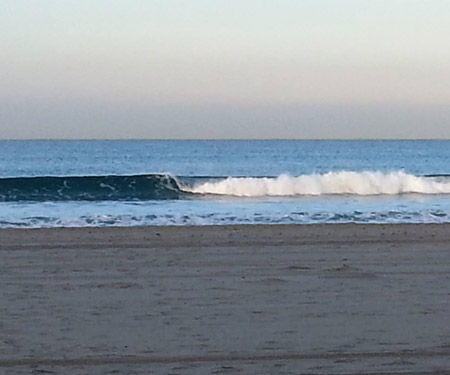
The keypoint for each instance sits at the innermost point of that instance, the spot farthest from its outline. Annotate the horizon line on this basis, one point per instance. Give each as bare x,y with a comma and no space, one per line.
220,139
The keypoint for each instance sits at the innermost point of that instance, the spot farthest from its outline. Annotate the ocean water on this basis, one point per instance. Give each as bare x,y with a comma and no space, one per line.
135,183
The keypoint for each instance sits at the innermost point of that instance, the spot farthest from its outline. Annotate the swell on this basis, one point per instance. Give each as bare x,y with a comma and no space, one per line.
90,188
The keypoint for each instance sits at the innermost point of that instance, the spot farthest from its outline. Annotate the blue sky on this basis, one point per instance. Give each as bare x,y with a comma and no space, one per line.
225,69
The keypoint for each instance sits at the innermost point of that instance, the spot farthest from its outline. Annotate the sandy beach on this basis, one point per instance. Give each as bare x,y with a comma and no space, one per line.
309,299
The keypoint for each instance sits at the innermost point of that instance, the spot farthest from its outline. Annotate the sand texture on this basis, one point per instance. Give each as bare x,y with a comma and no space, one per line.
311,299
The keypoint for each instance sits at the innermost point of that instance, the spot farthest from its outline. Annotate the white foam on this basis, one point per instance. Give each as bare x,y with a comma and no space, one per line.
344,182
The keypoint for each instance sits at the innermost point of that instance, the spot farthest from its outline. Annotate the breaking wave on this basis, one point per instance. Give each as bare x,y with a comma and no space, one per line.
344,182
167,187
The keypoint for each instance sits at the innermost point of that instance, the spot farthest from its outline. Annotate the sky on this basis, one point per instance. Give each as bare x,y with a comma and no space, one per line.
186,69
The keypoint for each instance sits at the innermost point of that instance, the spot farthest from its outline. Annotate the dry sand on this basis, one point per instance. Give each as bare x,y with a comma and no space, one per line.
315,299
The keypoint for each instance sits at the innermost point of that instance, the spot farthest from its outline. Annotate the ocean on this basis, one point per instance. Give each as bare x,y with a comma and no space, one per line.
137,183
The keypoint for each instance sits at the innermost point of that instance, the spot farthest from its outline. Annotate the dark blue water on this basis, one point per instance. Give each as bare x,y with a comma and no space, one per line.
98,183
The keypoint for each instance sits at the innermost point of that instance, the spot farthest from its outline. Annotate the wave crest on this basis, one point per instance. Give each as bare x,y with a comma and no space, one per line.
337,183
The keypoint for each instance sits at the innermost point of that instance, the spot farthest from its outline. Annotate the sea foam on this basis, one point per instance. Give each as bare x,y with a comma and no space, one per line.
343,182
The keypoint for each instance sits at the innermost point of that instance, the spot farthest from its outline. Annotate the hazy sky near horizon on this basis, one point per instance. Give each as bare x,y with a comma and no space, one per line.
225,69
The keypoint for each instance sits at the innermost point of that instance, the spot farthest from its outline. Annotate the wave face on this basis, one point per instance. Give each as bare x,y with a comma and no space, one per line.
332,183
90,188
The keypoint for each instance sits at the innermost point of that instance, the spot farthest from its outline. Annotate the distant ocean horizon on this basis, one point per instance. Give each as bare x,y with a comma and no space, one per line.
222,139
79,183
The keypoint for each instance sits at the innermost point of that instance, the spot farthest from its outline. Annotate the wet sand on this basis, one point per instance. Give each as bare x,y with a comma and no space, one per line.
315,299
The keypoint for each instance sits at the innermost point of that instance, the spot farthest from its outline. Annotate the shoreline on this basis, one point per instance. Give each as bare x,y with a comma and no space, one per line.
265,299
223,235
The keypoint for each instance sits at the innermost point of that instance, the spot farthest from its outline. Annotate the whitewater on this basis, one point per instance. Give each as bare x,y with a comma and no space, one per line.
342,182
